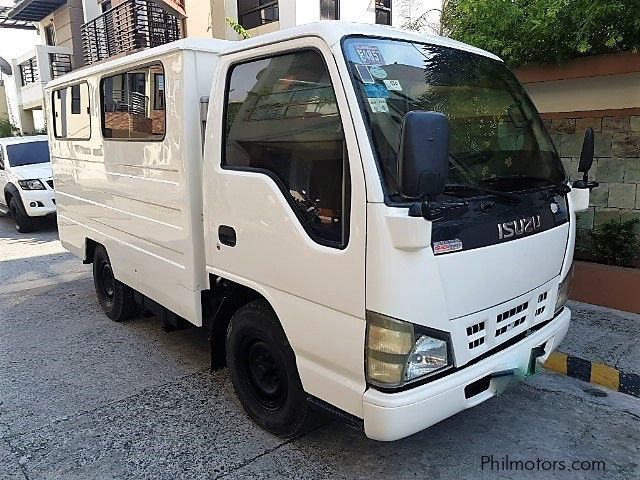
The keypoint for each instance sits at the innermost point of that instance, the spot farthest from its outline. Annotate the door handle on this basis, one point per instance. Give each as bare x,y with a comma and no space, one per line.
227,235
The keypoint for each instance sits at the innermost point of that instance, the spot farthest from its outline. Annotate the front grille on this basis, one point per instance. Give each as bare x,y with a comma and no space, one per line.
475,334
485,330
50,182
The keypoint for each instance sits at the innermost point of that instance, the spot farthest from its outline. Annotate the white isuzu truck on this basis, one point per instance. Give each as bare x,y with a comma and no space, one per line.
364,219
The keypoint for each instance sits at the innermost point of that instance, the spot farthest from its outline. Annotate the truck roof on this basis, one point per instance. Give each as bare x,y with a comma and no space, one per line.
331,31
26,139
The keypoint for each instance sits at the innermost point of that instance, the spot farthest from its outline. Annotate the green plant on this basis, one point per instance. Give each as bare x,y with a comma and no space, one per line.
7,129
544,31
239,29
615,242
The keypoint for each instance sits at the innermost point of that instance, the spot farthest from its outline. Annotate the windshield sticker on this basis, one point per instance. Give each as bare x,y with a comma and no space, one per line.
447,246
393,85
378,72
378,105
369,55
364,73
375,90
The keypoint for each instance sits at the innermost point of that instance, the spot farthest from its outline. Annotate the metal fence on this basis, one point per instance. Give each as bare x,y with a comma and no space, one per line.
29,72
129,26
60,63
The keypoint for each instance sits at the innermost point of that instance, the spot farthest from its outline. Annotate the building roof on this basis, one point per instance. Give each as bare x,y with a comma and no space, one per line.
331,31
34,10
6,22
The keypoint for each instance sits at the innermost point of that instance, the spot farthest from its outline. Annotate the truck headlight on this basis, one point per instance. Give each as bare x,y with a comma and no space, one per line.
31,184
564,289
399,352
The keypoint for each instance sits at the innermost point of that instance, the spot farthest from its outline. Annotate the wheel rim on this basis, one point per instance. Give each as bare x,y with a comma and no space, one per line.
263,373
107,280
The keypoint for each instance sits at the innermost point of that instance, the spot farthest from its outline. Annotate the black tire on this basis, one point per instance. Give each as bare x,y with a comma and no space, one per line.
116,298
264,372
24,224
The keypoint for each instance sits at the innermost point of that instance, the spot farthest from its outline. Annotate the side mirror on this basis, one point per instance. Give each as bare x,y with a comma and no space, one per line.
423,158
581,189
586,156
586,161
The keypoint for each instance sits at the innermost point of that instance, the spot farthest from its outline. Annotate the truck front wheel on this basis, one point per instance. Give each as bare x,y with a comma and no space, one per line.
24,224
116,298
263,370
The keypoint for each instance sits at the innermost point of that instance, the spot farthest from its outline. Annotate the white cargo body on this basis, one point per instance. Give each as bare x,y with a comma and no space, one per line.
140,199
367,220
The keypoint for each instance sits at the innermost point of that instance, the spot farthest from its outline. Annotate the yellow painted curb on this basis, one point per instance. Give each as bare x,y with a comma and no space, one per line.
605,375
557,362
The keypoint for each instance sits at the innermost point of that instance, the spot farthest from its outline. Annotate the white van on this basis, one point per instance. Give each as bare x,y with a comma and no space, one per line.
364,219
26,180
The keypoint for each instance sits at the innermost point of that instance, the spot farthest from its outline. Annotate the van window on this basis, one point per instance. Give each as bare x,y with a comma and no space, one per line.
282,120
128,112
71,117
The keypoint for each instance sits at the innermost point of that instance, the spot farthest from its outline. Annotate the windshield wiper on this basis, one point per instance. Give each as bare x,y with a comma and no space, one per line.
453,187
560,188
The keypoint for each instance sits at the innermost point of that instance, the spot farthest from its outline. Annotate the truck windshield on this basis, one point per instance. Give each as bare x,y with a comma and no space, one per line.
497,139
20,154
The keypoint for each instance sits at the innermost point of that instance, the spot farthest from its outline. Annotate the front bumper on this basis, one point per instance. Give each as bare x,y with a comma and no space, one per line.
38,203
391,416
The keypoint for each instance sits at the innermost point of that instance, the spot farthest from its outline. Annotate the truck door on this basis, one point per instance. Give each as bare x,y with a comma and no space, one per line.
285,205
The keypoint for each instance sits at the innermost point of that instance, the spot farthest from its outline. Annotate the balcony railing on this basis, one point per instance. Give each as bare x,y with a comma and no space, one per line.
59,64
29,72
129,26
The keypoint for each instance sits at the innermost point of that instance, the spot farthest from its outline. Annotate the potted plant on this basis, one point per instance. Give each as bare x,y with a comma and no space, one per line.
609,279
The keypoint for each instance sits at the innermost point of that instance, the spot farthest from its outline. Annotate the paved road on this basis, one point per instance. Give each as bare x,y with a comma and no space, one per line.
83,397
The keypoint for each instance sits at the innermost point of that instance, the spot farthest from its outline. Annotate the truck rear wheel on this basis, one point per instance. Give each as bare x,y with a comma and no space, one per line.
116,298
24,224
263,370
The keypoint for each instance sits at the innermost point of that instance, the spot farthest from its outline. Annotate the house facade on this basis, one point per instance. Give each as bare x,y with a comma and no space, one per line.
75,33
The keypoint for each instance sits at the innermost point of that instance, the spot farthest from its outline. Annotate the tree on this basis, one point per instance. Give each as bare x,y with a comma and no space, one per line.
239,29
415,16
7,129
545,31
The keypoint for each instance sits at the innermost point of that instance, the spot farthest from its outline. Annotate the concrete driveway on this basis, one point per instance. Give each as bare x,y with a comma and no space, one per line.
83,397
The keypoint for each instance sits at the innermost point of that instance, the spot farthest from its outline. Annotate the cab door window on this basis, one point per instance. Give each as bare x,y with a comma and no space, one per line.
282,120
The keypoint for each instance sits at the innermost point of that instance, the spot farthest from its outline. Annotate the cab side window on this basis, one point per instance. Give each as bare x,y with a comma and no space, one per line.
282,120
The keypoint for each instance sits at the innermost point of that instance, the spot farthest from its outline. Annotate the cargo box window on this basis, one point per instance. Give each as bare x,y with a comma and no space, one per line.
71,114
282,120
133,104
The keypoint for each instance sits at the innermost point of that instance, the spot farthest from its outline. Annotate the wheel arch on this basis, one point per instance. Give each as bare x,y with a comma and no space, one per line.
90,246
220,303
11,191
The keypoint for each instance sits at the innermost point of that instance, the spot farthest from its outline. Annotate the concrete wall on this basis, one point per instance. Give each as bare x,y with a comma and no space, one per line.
91,9
602,93
297,12
4,108
67,22
199,18
606,92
